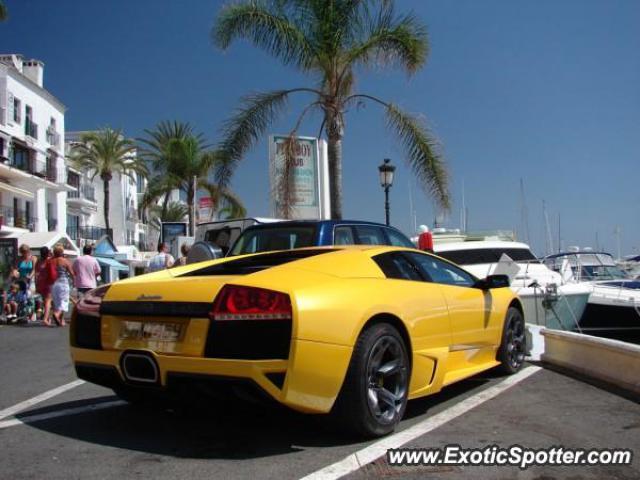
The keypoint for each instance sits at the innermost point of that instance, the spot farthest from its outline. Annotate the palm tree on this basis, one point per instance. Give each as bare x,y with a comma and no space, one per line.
330,40
182,162
3,12
103,154
175,212
226,204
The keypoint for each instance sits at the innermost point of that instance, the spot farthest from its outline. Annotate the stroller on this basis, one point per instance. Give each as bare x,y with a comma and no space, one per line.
20,304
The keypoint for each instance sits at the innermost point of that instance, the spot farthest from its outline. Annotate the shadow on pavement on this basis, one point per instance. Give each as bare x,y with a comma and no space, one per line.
230,430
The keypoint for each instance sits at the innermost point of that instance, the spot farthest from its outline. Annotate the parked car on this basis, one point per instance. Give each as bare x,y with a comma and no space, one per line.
213,239
352,330
314,233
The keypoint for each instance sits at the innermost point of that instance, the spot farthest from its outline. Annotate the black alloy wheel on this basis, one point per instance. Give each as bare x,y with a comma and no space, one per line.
514,343
375,390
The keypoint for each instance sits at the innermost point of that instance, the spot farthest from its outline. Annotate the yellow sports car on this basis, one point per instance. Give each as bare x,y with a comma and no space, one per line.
355,331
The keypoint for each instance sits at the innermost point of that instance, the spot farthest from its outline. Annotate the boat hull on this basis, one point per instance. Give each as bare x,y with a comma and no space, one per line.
561,312
619,322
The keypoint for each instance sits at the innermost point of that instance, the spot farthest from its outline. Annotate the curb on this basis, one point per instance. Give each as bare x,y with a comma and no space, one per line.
611,361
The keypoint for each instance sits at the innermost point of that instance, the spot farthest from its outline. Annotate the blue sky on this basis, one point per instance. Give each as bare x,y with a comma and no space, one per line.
547,91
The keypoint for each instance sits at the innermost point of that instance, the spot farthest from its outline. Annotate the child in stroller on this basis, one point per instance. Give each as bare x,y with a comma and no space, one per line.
19,305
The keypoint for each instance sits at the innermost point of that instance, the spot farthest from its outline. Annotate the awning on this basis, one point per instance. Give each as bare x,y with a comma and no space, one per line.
35,240
111,263
5,187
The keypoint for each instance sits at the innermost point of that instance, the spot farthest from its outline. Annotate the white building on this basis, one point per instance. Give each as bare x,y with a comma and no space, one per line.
33,189
85,206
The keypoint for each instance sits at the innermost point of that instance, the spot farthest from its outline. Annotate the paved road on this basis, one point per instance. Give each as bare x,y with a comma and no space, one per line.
245,440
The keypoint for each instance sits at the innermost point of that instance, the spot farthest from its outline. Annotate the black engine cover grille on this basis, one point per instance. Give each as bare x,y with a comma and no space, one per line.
249,339
85,332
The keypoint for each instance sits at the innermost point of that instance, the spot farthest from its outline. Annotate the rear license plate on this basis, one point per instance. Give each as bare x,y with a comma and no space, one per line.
156,331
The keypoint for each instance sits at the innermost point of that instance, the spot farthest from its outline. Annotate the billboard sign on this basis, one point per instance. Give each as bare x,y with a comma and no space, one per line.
308,171
205,209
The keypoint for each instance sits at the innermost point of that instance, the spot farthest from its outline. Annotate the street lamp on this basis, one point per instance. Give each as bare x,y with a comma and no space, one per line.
386,180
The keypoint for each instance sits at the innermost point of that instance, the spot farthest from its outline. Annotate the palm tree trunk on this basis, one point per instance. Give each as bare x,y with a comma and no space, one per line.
165,204
190,195
105,187
335,174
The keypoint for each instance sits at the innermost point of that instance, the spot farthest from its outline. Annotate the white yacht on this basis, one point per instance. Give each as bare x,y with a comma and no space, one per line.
613,310
546,299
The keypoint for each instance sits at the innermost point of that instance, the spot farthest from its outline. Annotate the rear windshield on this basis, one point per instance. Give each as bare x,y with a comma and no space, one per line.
487,255
245,266
267,239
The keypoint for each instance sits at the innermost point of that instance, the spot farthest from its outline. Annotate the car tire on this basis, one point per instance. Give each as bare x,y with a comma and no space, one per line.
514,343
374,394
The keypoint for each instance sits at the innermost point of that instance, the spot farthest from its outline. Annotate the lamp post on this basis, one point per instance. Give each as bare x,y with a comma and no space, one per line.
386,180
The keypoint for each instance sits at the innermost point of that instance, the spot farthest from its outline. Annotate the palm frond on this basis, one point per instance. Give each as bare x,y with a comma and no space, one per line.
175,212
4,14
240,132
266,28
422,152
392,41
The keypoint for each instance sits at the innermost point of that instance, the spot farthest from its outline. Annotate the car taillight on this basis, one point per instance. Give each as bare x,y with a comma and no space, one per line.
90,302
235,302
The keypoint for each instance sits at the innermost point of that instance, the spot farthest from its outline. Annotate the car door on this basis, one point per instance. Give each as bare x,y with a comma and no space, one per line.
423,301
425,312
469,307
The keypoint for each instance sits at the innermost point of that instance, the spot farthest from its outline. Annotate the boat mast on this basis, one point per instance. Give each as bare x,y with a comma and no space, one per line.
616,232
412,213
549,239
524,214
463,212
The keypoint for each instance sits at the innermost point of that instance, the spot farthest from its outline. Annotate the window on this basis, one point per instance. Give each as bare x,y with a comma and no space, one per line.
478,256
274,238
396,265
441,272
20,157
343,235
223,237
16,110
370,235
397,239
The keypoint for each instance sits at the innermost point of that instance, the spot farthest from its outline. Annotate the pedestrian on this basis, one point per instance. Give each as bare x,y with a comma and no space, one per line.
184,249
60,290
25,266
25,271
163,259
87,271
44,282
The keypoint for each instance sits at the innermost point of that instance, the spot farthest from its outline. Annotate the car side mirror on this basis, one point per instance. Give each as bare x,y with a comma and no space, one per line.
492,281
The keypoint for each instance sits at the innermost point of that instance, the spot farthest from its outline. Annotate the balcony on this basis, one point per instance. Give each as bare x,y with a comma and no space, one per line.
88,192
84,234
53,137
31,128
11,217
45,170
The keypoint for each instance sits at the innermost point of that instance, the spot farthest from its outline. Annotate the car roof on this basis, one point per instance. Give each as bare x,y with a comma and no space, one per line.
316,222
